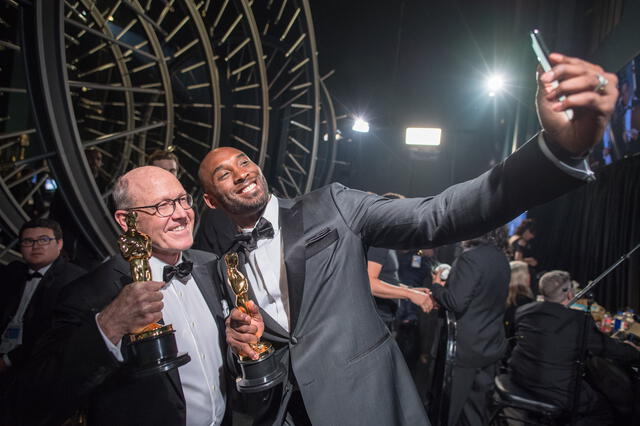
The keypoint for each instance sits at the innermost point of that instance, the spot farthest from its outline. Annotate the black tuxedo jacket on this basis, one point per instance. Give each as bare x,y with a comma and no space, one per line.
550,374
73,368
476,292
343,360
38,316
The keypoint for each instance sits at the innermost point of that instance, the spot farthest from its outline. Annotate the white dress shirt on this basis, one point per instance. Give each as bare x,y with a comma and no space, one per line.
12,334
266,274
202,378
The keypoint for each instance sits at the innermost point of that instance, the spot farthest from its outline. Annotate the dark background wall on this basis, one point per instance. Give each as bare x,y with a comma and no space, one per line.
586,231
407,63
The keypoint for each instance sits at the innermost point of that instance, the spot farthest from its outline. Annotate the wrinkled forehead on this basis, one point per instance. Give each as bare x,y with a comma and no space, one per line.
146,192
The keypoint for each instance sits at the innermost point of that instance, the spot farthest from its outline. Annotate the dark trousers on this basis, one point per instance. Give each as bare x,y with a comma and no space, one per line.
296,411
471,392
407,338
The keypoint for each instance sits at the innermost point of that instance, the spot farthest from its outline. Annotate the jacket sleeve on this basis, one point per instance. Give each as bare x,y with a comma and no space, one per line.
456,295
70,360
525,179
607,347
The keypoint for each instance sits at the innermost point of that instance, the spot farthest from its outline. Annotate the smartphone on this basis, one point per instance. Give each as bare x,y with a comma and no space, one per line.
542,53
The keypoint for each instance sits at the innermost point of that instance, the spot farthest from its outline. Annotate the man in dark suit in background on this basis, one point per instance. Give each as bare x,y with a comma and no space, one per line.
544,361
30,289
308,275
476,293
79,363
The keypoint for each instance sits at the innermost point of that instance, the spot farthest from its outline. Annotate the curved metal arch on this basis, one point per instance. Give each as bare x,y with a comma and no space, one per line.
332,133
293,75
43,32
126,81
316,93
164,76
213,71
56,117
12,179
262,70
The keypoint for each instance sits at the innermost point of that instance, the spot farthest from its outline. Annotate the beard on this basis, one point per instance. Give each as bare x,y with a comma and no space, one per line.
240,206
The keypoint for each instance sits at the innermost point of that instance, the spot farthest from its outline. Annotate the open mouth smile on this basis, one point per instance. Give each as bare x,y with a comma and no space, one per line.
247,188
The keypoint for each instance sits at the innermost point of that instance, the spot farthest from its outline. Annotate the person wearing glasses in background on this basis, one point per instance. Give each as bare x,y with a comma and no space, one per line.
29,290
79,363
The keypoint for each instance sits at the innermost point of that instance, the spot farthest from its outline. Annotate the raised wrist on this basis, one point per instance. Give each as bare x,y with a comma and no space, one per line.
108,329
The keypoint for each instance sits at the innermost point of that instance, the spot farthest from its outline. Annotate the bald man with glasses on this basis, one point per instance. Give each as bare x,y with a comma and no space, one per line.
82,365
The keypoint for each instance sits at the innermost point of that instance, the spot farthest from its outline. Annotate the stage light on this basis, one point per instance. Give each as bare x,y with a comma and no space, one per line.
495,84
427,136
359,125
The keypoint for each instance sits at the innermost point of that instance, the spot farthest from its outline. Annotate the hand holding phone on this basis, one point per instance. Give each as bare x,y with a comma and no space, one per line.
542,52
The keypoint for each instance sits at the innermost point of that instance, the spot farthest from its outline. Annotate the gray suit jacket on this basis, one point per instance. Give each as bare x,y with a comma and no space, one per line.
344,362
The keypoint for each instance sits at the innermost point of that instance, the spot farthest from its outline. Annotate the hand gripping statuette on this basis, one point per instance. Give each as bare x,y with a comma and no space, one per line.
151,349
266,371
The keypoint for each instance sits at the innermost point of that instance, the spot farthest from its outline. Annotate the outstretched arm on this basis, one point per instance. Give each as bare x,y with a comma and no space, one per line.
540,171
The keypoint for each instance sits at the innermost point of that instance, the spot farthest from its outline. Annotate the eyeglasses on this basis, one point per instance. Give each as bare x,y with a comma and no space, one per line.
168,207
42,241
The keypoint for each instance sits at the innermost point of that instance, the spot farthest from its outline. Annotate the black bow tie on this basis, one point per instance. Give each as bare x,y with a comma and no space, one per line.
181,271
33,275
249,241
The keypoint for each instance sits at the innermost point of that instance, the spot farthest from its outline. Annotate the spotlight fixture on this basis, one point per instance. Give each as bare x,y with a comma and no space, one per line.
359,125
495,84
426,136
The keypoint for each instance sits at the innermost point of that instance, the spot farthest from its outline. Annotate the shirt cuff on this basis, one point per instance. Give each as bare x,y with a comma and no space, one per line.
576,167
7,361
114,349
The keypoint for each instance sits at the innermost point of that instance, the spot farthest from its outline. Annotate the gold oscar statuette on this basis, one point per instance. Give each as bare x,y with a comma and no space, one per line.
266,371
240,287
151,349
135,247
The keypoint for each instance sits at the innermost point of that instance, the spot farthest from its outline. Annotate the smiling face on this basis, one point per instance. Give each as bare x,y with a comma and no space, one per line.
170,235
36,255
234,184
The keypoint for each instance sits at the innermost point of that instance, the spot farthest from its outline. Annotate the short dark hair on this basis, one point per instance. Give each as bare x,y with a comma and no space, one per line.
496,237
43,223
526,224
161,154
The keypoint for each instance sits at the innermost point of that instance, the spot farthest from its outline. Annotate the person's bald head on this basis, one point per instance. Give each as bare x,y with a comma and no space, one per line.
234,184
132,187
211,161
143,189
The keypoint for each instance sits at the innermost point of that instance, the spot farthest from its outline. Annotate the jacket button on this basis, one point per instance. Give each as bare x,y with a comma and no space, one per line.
293,340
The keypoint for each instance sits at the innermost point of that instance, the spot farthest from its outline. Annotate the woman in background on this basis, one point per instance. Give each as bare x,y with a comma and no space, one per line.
519,294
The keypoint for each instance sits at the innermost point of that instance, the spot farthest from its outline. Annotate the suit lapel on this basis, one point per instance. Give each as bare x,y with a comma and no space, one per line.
35,304
122,266
292,226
